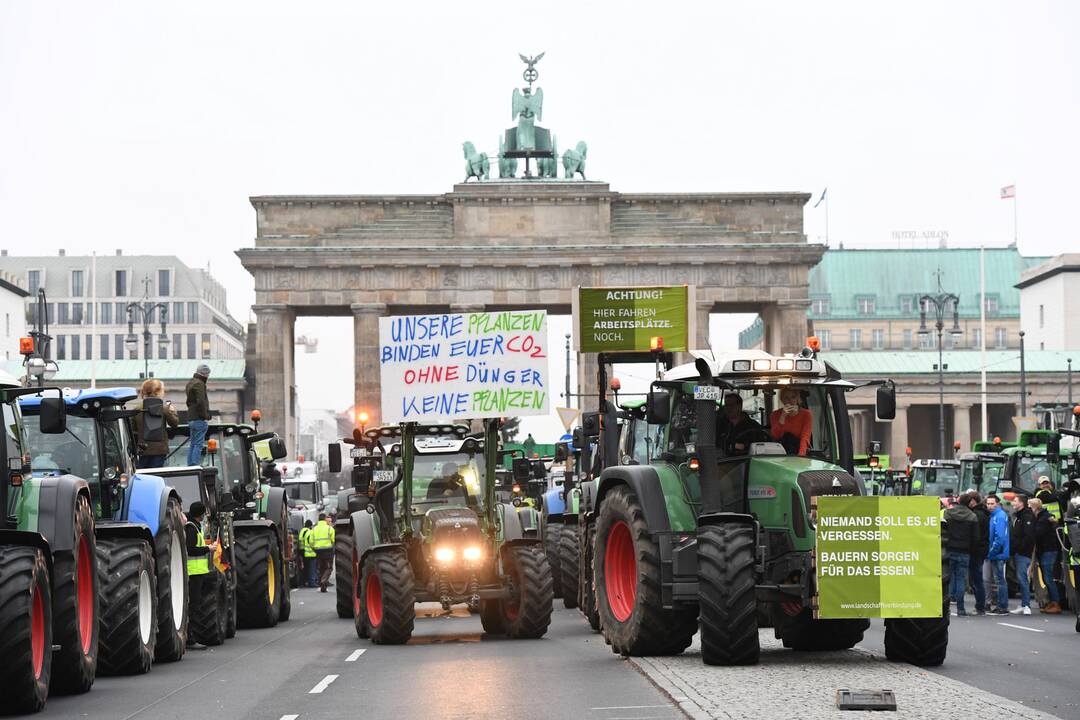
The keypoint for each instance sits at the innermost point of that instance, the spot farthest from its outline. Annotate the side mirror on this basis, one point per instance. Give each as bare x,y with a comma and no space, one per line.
521,469
1053,445
153,424
52,417
561,452
539,472
590,425
886,401
977,471
277,448
658,407
580,441
334,459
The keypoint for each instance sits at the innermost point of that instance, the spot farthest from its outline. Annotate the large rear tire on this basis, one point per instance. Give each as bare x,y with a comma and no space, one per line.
804,633
919,641
76,608
128,606
25,627
345,564
726,595
209,620
389,604
527,613
626,576
258,578
230,609
491,617
552,539
170,557
587,591
566,566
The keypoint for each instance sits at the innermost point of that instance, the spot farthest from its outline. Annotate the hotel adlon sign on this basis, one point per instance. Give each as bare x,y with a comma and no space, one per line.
626,319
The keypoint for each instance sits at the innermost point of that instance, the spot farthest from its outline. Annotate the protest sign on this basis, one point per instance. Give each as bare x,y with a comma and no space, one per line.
627,319
445,367
878,557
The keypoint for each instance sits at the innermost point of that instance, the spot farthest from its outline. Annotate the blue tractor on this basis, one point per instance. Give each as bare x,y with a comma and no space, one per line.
141,552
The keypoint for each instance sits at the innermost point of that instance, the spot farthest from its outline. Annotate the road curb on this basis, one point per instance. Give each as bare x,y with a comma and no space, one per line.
678,692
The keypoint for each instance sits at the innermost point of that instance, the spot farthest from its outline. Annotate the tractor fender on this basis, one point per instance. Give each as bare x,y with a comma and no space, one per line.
117,529
147,500
26,538
383,547
645,482
364,532
240,526
520,542
275,505
554,503
510,523
163,503
56,509
587,497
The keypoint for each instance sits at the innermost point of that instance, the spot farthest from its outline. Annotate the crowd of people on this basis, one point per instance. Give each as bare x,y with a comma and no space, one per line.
981,539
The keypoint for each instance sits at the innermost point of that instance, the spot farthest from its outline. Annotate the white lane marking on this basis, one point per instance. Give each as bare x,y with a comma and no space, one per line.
289,717
355,654
1020,627
631,707
323,684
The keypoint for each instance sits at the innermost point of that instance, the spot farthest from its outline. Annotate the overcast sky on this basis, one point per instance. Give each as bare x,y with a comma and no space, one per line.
147,125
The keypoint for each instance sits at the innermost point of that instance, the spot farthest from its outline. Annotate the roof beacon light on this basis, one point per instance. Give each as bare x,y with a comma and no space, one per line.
814,343
26,345
211,445
616,384
656,343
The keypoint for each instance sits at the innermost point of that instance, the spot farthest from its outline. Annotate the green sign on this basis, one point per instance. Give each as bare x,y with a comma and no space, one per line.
878,557
627,319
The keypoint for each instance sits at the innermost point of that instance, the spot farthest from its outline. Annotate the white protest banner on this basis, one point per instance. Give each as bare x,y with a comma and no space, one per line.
445,367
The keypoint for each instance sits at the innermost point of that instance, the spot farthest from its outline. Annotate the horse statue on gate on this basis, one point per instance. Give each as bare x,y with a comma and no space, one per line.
477,164
574,161
507,166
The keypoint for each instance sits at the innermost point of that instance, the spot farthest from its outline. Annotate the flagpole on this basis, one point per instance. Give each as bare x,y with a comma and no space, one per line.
826,218
93,321
982,338
1016,231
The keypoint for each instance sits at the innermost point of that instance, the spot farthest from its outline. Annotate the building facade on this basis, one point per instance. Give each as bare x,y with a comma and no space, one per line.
81,289
1046,291
13,296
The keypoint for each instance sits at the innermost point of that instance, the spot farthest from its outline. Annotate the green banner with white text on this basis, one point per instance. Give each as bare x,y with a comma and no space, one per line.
878,557
627,319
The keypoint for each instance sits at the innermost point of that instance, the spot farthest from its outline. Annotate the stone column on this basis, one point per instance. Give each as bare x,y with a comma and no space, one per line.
274,372
962,425
785,327
587,367
367,386
898,437
701,339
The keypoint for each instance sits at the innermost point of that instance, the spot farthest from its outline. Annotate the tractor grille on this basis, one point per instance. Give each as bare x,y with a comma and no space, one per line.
814,483
452,517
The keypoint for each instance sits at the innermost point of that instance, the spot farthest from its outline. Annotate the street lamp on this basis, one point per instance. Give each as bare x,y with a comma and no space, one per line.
942,302
145,312
567,369
1023,379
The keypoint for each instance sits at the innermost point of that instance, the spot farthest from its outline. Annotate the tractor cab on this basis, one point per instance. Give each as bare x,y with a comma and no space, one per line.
981,471
939,478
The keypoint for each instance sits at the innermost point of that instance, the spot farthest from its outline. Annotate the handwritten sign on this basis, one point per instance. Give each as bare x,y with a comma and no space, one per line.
439,368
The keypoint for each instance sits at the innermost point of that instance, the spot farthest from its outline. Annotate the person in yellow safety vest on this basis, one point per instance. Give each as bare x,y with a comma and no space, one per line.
308,550
199,557
322,540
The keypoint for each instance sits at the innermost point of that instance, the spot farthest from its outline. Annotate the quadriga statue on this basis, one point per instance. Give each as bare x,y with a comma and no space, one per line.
476,164
574,161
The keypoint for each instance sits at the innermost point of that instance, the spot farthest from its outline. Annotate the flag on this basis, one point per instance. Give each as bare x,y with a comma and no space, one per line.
827,190
1009,191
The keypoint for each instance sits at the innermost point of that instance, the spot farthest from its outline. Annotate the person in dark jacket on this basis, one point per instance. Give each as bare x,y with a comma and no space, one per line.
199,558
998,552
152,454
961,538
1046,550
198,406
978,555
1022,543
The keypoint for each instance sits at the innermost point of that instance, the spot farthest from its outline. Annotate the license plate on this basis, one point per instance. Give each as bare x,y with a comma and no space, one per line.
706,392
358,452
384,476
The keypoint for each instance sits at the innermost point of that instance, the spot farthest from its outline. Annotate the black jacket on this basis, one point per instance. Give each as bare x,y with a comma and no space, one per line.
191,534
1045,533
961,530
983,546
198,404
1022,535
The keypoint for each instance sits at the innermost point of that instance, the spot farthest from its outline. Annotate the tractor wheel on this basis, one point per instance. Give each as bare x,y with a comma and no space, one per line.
76,609
345,564
25,627
128,600
491,617
587,591
230,611
389,600
729,633
295,561
209,619
258,579
567,567
552,538
170,556
527,613
803,632
626,578
286,602
919,641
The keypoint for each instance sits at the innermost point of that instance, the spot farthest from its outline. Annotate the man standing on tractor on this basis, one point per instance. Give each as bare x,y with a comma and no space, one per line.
308,549
198,406
322,540
199,556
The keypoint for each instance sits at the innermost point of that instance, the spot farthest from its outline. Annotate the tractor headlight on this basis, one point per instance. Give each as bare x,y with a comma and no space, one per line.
444,554
471,553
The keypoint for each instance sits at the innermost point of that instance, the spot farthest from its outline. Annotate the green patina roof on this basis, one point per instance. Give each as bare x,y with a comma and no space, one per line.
112,371
845,275
886,364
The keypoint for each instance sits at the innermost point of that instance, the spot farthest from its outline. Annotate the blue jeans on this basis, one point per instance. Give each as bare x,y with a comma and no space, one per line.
977,585
196,441
1046,562
1023,565
958,570
997,570
311,566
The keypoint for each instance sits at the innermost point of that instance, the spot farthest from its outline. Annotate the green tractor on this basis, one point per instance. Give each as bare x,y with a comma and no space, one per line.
49,581
436,534
263,544
721,521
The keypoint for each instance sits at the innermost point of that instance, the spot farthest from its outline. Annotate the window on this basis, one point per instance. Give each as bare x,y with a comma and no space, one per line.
991,305
89,347
106,314
826,339
865,305
75,354
907,304
121,283
103,346
205,346
177,346
163,350
33,281
61,347
63,318
855,337
118,346
121,313
177,313
193,312
907,339
950,341
927,341
191,346
1042,316
76,313
76,283
1001,338
879,339
163,283
976,337
819,306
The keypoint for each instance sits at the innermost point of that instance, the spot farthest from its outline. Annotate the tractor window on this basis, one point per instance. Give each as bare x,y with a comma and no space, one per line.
456,479
12,435
231,448
1030,470
301,491
74,452
937,481
187,487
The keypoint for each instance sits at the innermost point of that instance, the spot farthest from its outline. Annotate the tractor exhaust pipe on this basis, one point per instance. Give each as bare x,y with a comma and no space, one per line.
712,500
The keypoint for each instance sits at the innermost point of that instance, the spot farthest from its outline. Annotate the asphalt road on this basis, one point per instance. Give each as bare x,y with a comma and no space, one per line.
314,666
1033,660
